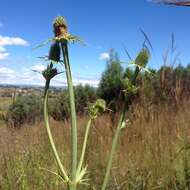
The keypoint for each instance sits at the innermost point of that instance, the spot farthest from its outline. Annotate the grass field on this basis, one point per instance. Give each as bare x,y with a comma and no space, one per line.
152,153
5,102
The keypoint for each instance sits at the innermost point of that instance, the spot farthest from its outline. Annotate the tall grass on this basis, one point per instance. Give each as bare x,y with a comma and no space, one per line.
152,153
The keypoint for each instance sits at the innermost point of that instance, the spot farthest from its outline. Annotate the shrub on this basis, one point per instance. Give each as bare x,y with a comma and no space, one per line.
25,109
59,107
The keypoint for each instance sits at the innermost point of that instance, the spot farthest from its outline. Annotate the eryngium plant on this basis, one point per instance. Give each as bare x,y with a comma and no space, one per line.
77,174
129,87
60,44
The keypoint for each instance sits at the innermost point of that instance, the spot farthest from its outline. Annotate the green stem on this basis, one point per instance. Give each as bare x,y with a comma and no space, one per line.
115,139
46,120
73,115
84,146
113,149
137,70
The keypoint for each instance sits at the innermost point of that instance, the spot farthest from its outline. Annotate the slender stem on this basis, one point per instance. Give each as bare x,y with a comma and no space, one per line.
84,146
137,70
73,114
113,148
116,136
46,119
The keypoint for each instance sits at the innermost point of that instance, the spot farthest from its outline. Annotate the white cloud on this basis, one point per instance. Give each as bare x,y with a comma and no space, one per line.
6,75
6,70
5,40
2,49
92,82
9,41
38,68
4,55
28,77
104,56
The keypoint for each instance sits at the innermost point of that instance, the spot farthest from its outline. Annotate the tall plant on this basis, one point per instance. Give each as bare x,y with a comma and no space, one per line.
77,175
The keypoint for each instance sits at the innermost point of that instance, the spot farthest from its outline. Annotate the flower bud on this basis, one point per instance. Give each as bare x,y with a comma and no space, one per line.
128,87
60,26
50,72
54,53
142,58
97,108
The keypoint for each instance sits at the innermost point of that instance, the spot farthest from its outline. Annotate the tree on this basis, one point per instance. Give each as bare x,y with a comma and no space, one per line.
84,95
110,84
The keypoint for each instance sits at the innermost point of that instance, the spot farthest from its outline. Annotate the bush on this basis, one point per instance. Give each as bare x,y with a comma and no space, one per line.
59,107
25,109
83,96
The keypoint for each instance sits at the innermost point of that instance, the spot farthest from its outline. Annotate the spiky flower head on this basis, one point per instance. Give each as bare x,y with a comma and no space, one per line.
97,108
50,72
142,58
59,21
128,87
60,26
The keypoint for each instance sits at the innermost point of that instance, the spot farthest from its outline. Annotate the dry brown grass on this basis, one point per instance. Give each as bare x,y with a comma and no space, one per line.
147,155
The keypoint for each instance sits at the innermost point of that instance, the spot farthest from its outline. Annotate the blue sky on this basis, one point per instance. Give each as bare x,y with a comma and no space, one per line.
103,24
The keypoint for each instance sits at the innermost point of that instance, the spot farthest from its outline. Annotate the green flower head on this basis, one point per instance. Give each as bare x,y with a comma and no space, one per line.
50,72
97,108
128,87
142,58
60,26
60,21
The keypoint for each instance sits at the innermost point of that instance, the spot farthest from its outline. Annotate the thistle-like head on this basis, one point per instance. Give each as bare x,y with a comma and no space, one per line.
50,72
128,87
97,108
142,58
60,26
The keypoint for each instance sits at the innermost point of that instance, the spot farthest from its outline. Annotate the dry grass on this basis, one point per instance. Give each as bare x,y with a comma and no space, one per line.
147,155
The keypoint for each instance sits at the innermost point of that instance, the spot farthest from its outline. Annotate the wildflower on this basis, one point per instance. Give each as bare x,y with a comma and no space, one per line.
142,58
97,108
50,72
128,87
60,27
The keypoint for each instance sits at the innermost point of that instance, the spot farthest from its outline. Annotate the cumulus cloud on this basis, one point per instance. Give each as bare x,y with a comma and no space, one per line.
104,56
27,77
2,49
6,70
7,41
38,67
3,53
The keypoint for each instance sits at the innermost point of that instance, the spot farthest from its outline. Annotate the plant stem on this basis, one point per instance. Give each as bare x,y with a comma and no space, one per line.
84,146
73,115
113,148
116,136
137,70
46,119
